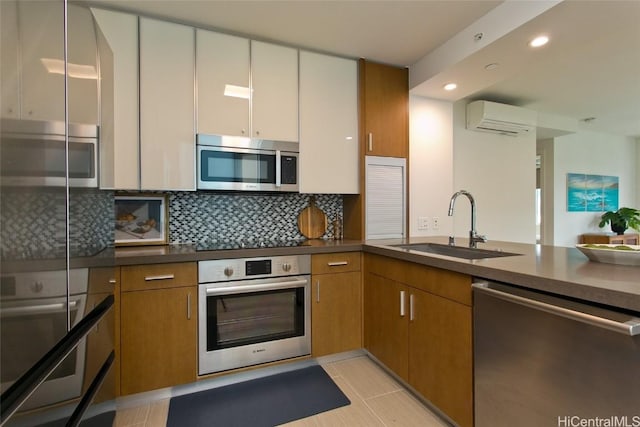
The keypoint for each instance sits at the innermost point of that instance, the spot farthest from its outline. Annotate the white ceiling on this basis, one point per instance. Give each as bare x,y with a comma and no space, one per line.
591,67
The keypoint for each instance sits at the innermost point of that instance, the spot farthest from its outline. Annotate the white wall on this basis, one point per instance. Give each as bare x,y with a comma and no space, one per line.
637,173
500,172
591,153
430,164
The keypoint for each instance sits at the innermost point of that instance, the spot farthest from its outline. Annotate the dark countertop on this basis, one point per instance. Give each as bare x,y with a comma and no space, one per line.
559,270
186,253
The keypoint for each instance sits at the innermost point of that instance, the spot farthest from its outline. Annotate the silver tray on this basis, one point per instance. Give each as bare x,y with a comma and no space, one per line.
600,253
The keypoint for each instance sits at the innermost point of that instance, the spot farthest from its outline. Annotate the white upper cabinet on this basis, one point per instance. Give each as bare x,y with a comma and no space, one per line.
82,66
167,110
41,66
328,124
9,89
33,62
117,35
223,83
274,87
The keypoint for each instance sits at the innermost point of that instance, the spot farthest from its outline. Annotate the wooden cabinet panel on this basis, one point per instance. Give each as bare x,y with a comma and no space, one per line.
158,339
385,105
386,329
431,346
440,358
158,276
335,263
336,313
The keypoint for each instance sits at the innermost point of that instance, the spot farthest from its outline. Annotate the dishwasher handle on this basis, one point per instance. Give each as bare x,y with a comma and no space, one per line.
631,327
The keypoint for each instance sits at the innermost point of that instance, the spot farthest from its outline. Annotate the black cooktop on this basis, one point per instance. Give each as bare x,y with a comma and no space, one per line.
248,244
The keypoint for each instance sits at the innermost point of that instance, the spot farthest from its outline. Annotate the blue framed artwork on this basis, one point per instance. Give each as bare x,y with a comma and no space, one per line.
591,193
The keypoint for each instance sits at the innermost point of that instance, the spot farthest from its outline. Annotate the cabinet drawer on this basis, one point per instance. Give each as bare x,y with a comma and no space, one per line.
335,263
158,276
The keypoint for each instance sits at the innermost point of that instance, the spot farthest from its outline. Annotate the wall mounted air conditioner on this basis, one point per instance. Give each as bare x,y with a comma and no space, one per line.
486,116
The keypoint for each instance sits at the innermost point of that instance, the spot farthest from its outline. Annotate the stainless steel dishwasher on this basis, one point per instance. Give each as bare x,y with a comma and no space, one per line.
541,360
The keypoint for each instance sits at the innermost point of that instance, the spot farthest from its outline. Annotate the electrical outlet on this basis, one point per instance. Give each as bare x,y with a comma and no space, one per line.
423,223
436,223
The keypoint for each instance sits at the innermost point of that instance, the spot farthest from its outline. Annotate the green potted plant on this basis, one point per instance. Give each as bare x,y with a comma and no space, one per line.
621,219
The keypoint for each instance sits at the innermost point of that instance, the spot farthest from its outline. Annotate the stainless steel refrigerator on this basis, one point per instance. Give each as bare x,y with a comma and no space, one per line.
56,223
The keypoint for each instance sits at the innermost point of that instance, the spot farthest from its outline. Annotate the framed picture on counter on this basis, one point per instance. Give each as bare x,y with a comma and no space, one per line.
141,219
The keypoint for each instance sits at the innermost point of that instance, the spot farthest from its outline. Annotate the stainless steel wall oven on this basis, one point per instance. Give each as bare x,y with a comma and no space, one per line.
253,310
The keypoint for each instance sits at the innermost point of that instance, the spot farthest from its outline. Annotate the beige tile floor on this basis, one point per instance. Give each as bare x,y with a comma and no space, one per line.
376,400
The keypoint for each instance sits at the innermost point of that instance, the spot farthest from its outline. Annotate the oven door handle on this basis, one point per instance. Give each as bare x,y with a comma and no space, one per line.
258,287
38,309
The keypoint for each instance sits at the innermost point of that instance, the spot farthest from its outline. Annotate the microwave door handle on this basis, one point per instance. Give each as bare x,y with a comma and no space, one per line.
278,168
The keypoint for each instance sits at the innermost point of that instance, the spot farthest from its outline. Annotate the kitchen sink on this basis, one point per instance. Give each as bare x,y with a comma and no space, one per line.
454,251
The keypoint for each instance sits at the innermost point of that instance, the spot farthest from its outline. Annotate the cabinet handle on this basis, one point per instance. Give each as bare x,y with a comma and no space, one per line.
370,140
161,277
411,313
337,263
402,308
317,290
189,306
112,281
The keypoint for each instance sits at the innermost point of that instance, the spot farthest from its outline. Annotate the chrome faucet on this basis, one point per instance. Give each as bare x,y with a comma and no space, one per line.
474,237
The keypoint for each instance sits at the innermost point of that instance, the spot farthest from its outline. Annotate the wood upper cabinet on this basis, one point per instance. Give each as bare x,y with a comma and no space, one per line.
158,340
222,70
384,107
117,36
167,110
418,322
328,124
274,92
336,300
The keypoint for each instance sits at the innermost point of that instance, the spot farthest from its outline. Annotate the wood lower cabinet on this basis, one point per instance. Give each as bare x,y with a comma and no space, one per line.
418,322
440,358
336,308
158,346
386,329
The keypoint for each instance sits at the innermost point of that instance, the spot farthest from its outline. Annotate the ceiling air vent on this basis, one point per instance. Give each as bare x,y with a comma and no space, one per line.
486,116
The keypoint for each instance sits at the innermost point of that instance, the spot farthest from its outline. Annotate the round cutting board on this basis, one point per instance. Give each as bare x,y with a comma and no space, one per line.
312,222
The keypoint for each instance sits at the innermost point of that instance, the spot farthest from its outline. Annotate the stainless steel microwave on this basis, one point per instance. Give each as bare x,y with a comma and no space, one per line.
34,153
246,164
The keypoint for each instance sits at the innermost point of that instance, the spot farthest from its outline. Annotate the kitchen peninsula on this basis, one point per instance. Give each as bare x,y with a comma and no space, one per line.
560,270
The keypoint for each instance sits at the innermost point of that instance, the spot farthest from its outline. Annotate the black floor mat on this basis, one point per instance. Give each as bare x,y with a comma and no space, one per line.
267,401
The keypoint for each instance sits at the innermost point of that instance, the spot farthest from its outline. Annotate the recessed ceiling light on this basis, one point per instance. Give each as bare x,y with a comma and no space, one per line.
539,41
491,66
450,86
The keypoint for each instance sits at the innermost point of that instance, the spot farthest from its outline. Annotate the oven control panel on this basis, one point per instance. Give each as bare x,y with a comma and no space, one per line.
249,268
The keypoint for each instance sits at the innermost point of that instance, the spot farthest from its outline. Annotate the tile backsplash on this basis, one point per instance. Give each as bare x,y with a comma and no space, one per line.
212,216
34,222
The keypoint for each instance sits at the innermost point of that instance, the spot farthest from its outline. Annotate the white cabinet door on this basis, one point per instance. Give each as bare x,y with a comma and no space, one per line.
328,124
118,47
9,84
386,197
222,72
167,128
274,84
41,32
82,66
